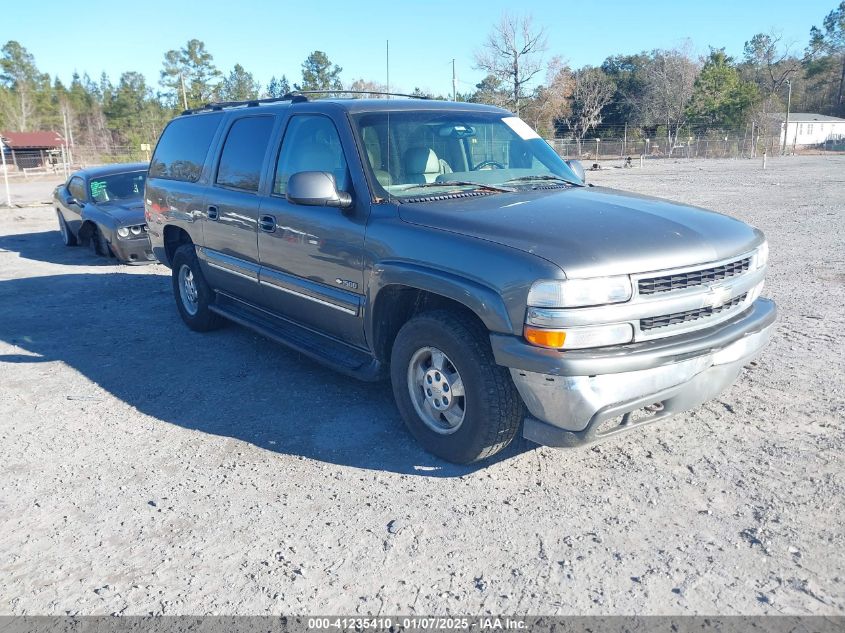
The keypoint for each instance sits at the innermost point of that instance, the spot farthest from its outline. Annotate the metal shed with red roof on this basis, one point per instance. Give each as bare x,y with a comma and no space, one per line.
26,150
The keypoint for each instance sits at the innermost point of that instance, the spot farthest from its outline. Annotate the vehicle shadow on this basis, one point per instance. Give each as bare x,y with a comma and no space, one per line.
47,247
123,333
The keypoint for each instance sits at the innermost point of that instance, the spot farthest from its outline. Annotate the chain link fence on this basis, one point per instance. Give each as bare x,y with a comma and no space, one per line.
67,159
63,160
729,146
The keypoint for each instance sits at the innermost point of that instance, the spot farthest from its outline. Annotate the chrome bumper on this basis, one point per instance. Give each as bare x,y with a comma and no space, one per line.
573,402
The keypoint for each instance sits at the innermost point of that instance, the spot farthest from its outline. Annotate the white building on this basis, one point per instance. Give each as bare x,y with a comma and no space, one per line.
811,129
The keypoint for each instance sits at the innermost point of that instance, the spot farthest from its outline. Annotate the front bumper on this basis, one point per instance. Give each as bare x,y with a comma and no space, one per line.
584,395
133,251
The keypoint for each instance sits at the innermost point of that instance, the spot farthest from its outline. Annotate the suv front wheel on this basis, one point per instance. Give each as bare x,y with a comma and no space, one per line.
193,295
454,398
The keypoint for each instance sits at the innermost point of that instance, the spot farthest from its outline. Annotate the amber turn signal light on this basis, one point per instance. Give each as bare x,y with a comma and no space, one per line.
545,338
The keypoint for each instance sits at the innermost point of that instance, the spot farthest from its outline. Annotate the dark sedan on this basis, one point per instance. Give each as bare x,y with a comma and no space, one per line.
103,208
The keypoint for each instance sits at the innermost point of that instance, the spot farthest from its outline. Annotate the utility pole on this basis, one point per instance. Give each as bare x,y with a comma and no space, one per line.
67,148
184,94
64,160
387,65
625,139
753,151
454,82
786,125
5,174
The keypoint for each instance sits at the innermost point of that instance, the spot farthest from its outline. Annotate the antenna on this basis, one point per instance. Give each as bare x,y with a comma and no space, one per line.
387,140
454,82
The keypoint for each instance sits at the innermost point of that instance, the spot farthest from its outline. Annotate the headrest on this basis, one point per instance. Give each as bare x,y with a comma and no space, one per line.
371,142
421,160
316,157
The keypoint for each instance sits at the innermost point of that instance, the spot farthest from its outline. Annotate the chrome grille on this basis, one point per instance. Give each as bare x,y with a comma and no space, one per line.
665,320
678,281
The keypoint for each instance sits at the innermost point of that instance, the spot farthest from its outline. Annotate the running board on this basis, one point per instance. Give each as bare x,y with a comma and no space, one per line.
326,350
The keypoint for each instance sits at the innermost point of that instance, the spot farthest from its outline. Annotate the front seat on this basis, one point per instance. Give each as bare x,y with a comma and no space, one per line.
371,143
423,165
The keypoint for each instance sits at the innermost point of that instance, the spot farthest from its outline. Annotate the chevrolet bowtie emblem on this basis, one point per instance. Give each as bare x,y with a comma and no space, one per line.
717,297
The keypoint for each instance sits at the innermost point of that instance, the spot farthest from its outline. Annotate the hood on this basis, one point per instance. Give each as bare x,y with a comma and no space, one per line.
125,212
591,232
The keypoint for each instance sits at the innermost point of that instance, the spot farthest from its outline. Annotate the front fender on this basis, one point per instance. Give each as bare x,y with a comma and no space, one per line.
105,222
482,300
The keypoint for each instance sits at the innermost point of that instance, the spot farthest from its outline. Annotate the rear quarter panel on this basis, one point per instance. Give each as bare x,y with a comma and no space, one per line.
178,203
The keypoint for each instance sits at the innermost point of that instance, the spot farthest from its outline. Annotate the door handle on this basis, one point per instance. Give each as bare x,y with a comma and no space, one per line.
267,223
213,213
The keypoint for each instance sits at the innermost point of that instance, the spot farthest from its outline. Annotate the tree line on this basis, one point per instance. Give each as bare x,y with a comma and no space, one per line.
663,94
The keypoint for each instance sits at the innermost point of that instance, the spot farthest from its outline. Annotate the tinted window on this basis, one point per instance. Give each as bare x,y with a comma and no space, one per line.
77,189
243,153
126,186
183,146
311,144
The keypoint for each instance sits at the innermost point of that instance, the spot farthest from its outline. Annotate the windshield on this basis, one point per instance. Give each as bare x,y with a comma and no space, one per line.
127,186
427,152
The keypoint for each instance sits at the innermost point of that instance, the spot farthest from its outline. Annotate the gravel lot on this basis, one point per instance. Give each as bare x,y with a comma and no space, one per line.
149,469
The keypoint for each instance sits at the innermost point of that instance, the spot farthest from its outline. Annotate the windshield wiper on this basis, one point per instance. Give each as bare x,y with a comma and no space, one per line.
463,183
540,177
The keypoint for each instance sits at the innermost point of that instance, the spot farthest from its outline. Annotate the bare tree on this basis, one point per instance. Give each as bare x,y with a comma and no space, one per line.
550,102
592,90
670,78
365,86
513,54
771,61
17,110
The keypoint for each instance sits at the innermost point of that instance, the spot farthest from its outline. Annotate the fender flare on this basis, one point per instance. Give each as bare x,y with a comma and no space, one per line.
485,302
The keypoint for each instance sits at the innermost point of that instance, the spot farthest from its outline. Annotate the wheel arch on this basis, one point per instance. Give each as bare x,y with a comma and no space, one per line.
86,229
404,290
174,237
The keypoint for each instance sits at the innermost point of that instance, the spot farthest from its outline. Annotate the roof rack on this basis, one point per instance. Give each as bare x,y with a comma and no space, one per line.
295,96
250,103
360,92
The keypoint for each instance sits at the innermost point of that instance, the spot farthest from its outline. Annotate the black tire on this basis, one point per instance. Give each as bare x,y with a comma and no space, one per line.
98,244
68,238
492,408
202,319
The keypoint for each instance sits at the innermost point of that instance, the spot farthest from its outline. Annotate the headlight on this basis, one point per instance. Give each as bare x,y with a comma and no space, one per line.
135,230
580,337
761,257
575,293
123,231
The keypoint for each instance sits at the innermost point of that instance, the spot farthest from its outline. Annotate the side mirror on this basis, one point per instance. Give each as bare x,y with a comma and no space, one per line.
316,189
576,166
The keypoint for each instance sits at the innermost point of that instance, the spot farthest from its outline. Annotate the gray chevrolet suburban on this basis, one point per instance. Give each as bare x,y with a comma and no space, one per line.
447,246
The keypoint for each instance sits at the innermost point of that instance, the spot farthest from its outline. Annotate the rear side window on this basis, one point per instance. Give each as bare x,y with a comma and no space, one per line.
183,146
243,153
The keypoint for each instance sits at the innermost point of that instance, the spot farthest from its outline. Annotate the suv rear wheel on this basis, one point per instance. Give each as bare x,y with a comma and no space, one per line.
193,295
454,398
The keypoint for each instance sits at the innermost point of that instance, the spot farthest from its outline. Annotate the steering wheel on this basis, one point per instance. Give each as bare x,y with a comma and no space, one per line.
489,163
